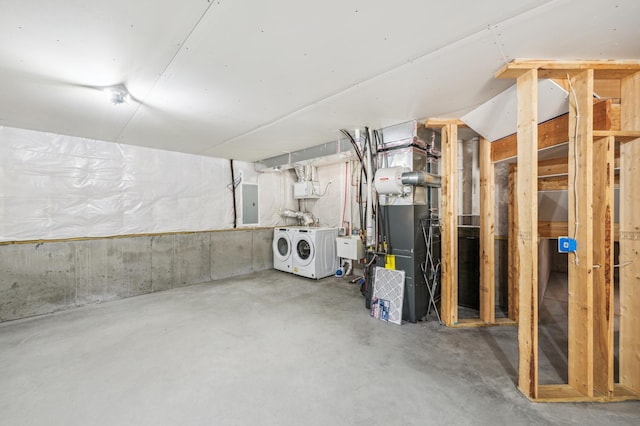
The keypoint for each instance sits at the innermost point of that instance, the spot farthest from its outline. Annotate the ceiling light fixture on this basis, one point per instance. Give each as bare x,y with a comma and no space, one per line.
117,94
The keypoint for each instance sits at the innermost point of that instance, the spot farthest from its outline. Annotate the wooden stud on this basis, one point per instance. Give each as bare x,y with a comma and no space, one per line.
630,237
615,117
603,184
602,115
449,225
487,235
512,255
580,337
526,231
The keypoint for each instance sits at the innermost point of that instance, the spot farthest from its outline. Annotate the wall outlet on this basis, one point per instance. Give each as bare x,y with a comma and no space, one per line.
567,245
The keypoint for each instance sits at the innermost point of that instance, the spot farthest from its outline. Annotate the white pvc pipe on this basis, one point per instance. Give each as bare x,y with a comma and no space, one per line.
348,267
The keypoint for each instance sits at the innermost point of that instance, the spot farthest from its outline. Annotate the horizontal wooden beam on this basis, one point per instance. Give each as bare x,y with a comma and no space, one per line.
603,70
560,166
553,183
620,135
555,166
566,393
441,122
560,182
561,229
477,322
552,132
552,229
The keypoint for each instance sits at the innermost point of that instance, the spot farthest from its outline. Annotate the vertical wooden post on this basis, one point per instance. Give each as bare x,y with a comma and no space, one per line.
580,227
487,235
512,255
527,232
603,173
630,237
449,223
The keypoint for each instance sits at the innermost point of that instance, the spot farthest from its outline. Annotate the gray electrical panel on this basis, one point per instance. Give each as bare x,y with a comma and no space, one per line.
250,214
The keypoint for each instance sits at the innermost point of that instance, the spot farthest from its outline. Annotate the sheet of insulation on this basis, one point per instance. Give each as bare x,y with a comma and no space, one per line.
54,187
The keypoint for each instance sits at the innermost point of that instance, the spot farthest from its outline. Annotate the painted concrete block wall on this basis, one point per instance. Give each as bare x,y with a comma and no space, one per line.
39,278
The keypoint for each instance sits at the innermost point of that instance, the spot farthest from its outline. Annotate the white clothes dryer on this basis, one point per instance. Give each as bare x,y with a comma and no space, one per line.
283,249
314,252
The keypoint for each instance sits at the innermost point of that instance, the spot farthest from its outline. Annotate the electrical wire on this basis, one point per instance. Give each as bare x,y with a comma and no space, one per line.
575,162
325,190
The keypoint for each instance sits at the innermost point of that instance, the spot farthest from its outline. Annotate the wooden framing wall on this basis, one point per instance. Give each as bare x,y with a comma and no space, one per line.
590,183
449,231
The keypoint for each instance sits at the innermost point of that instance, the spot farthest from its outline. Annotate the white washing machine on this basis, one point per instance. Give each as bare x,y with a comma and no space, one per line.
283,249
314,252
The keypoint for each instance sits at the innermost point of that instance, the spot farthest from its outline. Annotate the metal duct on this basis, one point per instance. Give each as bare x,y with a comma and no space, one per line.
301,173
421,179
306,218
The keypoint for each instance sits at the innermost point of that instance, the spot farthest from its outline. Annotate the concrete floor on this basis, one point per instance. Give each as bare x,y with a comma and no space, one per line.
265,349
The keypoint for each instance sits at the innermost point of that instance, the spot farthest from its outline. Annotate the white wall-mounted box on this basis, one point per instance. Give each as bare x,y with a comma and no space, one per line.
306,189
350,247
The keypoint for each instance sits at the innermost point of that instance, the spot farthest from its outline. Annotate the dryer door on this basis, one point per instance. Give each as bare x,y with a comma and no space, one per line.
304,250
281,246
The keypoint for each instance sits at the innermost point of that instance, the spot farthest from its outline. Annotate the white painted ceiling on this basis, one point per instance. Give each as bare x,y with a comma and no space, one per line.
253,79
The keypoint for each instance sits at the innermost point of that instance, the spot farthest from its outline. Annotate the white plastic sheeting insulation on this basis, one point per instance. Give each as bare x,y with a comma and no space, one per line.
54,186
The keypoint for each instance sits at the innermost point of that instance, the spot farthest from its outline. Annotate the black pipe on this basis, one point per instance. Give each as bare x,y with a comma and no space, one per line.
233,192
